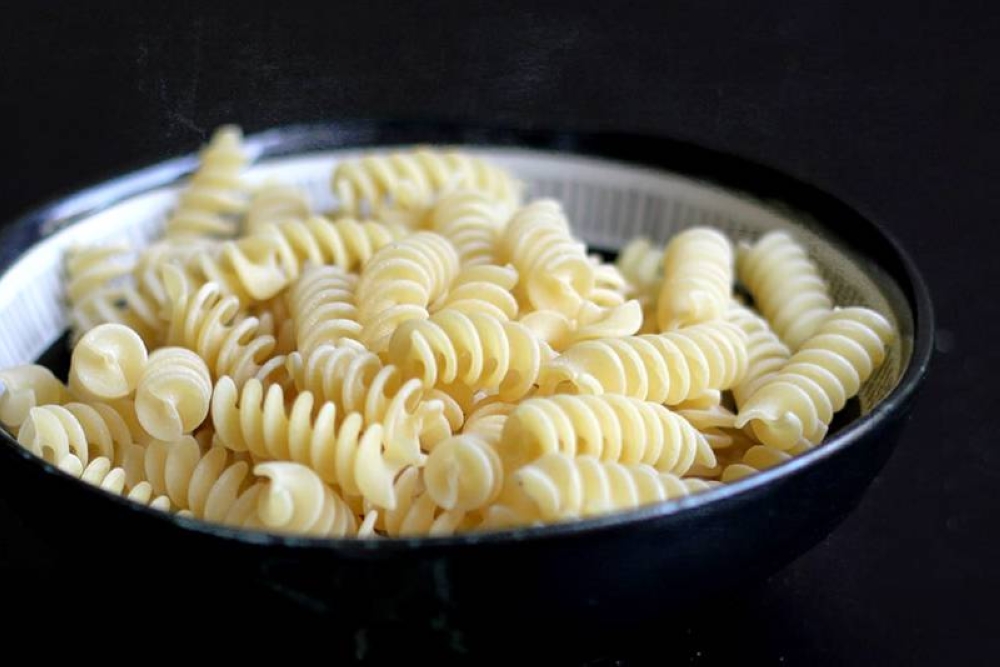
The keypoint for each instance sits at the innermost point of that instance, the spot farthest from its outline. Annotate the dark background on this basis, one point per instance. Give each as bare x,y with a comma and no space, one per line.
893,106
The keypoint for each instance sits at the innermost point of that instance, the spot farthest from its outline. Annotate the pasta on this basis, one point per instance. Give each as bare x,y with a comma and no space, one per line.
431,357
786,286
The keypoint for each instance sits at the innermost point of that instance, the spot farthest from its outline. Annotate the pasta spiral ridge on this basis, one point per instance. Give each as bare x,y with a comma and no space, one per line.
482,289
786,285
173,393
413,181
417,513
349,456
558,487
555,271
664,368
215,195
471,221
210,324
400,282
322,307
26,387
103,474
610,427
107,362
275,203
475,349
697,278
766,354
829,368
95,285
294,499
80,430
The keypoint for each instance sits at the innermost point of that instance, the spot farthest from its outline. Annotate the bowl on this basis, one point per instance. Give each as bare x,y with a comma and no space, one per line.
617,569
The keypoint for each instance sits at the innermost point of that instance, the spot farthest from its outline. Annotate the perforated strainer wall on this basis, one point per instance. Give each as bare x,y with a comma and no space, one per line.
608,203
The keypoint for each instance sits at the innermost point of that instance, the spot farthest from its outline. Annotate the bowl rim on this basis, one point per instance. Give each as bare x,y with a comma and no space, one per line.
730,171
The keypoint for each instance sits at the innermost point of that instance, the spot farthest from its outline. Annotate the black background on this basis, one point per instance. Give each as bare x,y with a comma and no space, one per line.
893,106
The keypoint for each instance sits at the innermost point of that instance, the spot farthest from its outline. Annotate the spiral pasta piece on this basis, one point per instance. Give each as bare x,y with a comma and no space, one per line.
664,368
295,500
476,350
556,273
766,354
798,403
641,264
275,203
322,307
610,427
558,487
471,221
417,513
786,285
54,432
107,362
102,473
349,456
95,285
173,393
26,387
413,181
483,289
400,282
697,278
208,485
210,324
215,194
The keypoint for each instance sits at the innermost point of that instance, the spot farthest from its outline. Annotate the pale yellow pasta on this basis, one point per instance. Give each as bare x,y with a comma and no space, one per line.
484,289
766,354
173,393
349,456
26,387
665,368
641,264
558,487
786,285
322,307
214,197
476,350
53,432
275,203
102,473
610,286
95,285
417,513
471,220
107,362
798,403
295,500
400,282
610,427
697,278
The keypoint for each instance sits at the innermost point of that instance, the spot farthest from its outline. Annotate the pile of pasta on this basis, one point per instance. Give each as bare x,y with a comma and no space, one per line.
435,355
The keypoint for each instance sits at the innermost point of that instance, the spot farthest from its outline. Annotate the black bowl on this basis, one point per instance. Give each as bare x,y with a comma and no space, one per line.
598,573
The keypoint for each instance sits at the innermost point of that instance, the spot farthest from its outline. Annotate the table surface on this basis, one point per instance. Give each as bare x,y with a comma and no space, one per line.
893,110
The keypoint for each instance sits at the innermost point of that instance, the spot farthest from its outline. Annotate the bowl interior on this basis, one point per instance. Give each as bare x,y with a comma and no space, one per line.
608,202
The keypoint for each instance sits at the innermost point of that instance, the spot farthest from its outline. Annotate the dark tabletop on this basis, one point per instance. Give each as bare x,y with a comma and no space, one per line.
893,106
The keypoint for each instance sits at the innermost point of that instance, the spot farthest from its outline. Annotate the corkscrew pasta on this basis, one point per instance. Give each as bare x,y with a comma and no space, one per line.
431,356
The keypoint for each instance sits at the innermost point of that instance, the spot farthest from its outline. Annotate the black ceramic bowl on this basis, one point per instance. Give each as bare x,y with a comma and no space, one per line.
616,569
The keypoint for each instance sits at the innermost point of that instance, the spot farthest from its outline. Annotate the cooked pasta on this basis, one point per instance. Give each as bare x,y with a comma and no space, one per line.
431,357
786,286
798,402
697,278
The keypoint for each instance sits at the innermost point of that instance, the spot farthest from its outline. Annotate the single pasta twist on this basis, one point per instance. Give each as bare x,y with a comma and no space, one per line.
555,271
471,221
400,282
786,285
697,278
349,456
215,195
464,471
592,322
275,203
641,264
210,324
295,500
84,431
95,285
322,306
26,387
610,427
173,393
417,513
414,180
474,349
664,368
558,487
107,362
102,473
766,354
207,484
482,289
610,286
799,401
356,380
